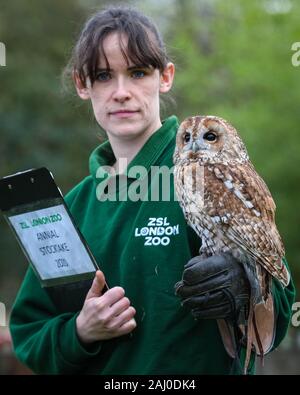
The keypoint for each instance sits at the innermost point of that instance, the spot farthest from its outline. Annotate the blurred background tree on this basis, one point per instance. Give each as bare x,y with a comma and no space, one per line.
233,59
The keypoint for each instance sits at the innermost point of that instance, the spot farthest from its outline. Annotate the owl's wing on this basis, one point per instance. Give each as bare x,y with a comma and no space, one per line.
238,200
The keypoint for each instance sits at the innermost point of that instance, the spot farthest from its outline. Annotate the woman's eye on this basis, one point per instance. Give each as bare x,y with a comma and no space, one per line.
209,136
103,76
138,74
187,137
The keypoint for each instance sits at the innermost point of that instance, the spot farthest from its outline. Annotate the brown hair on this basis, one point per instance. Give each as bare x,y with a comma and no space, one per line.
145,45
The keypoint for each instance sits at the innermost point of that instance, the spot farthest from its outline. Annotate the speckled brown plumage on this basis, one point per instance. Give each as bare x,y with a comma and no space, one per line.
224,199
226,202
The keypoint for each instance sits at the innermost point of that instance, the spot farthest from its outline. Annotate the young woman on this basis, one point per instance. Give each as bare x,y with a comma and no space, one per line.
138,326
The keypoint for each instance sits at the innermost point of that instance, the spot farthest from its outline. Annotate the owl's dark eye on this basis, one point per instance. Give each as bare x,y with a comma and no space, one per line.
210,136
187,137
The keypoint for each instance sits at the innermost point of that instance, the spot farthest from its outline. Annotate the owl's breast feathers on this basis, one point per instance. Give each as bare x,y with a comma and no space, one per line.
239,206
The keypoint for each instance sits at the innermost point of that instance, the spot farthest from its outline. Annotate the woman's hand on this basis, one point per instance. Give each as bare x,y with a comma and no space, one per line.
104,316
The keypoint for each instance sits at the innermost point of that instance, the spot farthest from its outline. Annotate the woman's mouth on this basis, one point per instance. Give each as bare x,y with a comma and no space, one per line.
123,113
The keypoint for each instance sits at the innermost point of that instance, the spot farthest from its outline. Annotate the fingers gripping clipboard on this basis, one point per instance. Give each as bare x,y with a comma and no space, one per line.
35,209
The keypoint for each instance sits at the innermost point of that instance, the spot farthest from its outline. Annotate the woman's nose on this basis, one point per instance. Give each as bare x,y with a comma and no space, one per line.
121,92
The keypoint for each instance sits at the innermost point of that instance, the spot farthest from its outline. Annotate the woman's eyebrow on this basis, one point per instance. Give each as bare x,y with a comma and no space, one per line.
130,68
103,69
138,66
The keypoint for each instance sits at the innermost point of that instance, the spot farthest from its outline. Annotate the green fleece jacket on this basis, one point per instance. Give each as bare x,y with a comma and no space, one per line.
142,246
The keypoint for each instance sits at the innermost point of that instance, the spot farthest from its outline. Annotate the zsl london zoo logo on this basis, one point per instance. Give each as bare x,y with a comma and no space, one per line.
157,232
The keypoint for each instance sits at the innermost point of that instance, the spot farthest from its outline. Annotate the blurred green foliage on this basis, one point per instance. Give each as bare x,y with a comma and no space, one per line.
233,59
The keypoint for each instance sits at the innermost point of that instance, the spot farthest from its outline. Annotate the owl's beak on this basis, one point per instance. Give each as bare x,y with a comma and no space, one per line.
195,147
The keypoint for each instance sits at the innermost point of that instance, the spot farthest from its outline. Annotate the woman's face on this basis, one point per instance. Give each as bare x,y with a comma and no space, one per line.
125,98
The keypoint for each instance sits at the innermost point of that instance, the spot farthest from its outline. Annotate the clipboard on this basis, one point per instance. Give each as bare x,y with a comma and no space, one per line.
35,210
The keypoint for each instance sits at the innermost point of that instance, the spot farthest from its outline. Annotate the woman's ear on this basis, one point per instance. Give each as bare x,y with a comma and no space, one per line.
82,91
166,78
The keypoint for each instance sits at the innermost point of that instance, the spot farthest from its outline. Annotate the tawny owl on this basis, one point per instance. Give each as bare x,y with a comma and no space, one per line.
227,203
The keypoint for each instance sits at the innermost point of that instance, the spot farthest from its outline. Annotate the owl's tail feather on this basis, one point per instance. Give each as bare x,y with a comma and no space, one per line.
249,337
252,327
232,328
258,341
233,331
251,333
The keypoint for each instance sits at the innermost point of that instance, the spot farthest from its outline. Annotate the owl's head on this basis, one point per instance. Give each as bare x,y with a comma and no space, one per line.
209,139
